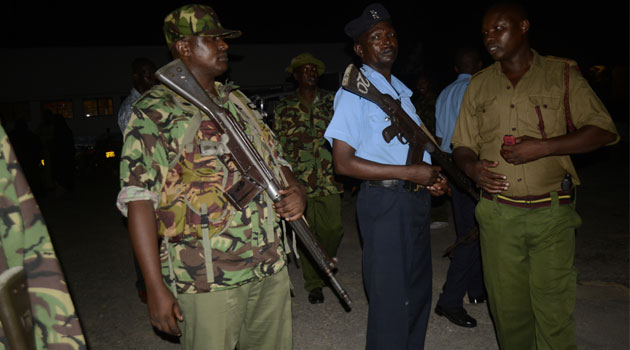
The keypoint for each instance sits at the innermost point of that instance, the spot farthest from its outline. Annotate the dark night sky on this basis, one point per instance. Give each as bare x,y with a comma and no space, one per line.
593,34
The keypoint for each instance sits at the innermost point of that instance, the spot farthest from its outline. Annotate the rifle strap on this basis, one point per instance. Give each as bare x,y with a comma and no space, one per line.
205,242
567,108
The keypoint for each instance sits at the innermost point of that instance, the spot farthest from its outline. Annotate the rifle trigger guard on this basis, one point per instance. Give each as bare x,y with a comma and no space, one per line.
401,139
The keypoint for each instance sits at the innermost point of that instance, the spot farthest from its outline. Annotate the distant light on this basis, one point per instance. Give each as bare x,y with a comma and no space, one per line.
110,154
42,162
87,115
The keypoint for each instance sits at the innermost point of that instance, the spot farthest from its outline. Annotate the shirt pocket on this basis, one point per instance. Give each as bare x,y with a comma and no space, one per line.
488,118
546,114
377,122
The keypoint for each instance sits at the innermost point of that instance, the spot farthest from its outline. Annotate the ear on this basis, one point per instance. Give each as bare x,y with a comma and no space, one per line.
525,26
358,49
456,69
183,48
295,75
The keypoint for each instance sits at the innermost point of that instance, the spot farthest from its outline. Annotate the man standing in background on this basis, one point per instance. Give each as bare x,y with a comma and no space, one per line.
464,272
300,121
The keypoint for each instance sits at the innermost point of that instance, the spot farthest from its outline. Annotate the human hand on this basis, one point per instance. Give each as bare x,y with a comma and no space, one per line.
439,187
164,310
293,203
525,149
485,178
422,173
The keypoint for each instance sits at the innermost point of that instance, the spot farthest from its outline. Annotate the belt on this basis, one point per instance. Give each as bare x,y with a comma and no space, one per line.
531,201
405,186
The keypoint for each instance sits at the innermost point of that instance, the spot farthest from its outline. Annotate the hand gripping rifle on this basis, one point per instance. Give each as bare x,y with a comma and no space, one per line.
406,129
256,174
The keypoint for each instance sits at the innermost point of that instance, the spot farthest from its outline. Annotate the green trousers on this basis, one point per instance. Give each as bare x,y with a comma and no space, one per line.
527,257
256,316
323,215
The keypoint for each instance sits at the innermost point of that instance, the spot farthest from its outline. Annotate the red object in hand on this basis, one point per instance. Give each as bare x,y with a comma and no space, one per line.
509,140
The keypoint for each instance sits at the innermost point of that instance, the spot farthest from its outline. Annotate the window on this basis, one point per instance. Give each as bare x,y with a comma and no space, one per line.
98,107
59,107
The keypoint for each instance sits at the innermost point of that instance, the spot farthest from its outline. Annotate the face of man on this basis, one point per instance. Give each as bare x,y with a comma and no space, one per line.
206,55
306,75
144,79
378,47
504,33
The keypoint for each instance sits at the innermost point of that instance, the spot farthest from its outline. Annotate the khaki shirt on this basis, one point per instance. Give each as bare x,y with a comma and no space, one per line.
492,108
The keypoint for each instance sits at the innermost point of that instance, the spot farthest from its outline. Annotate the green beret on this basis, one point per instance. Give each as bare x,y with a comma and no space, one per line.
198,20
306,58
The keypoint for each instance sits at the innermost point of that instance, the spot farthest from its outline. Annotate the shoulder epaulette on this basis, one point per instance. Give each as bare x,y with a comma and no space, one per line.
481,71
562,60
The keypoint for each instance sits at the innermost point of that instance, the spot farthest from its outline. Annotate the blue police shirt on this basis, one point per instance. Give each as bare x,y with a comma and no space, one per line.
447,109
360,123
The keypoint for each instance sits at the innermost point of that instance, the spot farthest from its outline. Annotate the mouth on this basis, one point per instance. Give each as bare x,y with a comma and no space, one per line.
492,49
223,58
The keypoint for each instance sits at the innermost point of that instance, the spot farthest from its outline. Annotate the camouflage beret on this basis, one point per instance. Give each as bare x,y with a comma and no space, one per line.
372,14
306,58
198,20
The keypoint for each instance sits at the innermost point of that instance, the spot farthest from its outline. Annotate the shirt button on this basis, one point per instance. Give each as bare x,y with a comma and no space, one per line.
511,106
507,87
544,106
519,179
513,129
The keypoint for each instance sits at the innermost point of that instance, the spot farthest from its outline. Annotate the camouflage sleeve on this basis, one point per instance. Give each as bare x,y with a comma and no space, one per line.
144,159
24,241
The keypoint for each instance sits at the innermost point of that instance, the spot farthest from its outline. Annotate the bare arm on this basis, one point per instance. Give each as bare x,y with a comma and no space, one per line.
346,163
588,138
479,170
163,307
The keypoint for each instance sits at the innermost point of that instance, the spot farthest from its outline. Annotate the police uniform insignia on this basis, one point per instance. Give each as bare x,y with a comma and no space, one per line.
374,14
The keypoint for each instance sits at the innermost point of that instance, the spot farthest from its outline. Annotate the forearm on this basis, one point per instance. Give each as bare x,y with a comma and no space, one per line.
363,169
465,158
586,139
143,233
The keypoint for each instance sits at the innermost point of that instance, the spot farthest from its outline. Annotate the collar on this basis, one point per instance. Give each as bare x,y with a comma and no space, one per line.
396,89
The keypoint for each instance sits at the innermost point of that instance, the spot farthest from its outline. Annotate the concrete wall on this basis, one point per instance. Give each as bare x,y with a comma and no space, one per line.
36,75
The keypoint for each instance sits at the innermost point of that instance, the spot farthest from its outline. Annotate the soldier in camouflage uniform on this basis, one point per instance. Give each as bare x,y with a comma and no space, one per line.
300,121
24,241
224,283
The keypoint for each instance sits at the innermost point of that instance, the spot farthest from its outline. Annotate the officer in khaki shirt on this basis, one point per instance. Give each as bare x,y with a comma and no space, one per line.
527,221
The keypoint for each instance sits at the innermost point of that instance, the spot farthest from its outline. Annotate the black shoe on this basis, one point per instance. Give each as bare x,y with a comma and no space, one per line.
457,315
316,296
477,300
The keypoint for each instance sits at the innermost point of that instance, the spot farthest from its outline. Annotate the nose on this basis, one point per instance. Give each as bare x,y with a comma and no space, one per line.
222,44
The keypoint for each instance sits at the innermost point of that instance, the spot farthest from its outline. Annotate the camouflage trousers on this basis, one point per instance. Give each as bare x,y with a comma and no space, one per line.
256,315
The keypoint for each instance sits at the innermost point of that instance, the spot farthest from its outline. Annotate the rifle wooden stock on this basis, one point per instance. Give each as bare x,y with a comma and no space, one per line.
256,174
406,129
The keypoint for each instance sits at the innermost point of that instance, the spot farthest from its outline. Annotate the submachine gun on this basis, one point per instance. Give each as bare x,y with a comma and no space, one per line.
407,131
256,174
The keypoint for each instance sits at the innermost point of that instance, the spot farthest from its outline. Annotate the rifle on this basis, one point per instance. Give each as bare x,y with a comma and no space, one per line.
256,174
406,129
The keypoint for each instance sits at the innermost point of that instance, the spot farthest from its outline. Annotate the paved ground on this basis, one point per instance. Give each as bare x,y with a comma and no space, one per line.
94,250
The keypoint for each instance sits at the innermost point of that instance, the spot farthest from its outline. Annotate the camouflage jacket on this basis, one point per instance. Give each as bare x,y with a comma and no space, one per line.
301,134
24,241
182,183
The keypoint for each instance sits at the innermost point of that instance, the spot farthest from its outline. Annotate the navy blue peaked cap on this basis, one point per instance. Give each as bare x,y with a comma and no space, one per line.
372,14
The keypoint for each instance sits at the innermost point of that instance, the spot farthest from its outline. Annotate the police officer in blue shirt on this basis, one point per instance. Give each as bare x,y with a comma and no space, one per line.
464,272
393,216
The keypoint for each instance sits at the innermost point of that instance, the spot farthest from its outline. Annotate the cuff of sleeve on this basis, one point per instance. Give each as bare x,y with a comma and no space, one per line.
134,193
